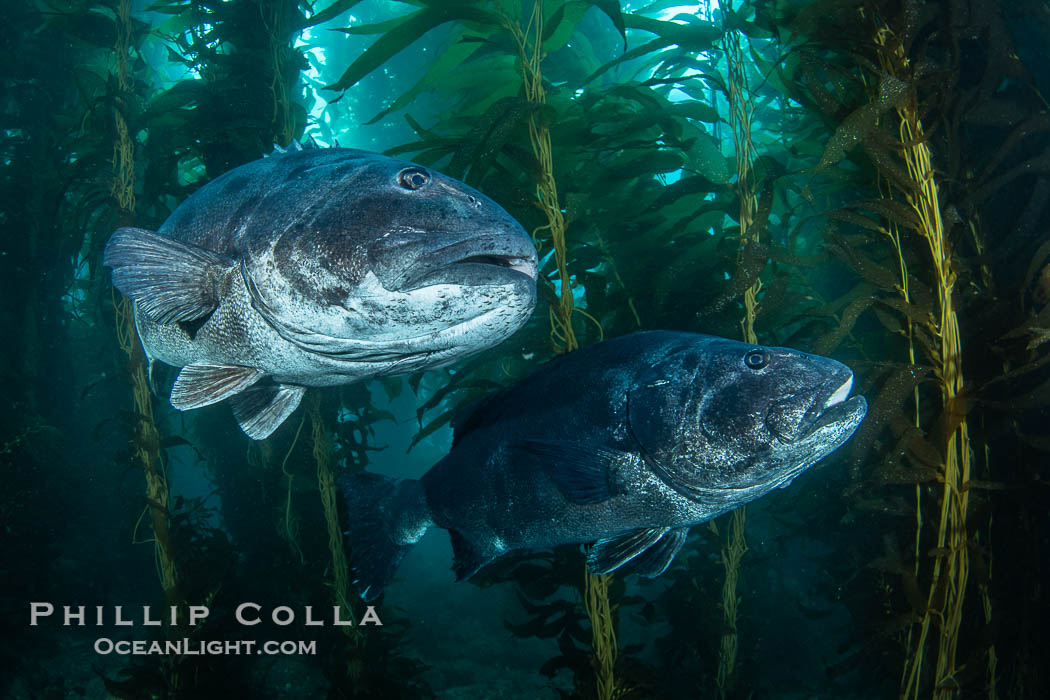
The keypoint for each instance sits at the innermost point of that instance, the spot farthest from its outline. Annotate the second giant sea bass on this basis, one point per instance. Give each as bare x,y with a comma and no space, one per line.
317,267
625,444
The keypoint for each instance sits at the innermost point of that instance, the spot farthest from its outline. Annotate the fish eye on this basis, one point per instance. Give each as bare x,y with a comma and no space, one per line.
756,359
413,178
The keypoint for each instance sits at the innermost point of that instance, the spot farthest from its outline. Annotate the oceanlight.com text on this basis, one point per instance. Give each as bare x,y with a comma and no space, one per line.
188,647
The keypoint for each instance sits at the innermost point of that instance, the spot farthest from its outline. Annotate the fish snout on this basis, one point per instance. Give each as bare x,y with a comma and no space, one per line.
410,260
800,414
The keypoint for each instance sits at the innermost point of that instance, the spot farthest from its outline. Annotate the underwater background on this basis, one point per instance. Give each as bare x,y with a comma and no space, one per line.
859,179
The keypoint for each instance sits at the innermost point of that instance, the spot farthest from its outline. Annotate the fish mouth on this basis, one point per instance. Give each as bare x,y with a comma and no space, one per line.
831,407
836,413
478,270
491,258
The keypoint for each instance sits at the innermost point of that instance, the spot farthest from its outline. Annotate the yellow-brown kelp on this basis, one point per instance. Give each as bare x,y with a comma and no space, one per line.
530,49
741,110
951,562
322,452
147,439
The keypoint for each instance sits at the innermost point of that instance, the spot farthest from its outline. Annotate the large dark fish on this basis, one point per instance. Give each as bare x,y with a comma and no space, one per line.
318,267
626,444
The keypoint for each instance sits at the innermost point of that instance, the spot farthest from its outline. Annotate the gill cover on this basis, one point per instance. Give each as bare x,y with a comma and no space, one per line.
661,415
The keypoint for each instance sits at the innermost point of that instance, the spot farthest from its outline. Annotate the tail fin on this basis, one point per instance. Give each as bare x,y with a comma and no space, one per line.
386,517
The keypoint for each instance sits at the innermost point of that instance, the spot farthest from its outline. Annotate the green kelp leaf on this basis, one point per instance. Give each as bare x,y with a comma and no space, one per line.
407,30
852,217
700,35
175,25
856,127
392,386
559,28
821,14
816,81
757,28
168,8
450,59
89,83
647,164
747,272
580,61
891,210
422,132
432,427
374,28
471,388
696,186
696,37
706,159
595,288
636,52
700,111
612,10
658,6
486,140
853,129
861,299
883,405
585,257
333,10
866,268
179,95
696,87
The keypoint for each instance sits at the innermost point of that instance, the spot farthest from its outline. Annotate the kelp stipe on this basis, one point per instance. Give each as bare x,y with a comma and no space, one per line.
955,473
741,111
563,337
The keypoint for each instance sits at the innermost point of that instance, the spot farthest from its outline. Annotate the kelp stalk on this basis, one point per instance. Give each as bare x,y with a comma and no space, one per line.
530,52
732,553
563,337
290,523
951,560
147,438
283,128
741,110
322,451
603,633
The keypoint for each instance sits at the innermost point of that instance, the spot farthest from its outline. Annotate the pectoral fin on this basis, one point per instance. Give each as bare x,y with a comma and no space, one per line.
202,384
583,473
261,408
648,552
655,560
169,280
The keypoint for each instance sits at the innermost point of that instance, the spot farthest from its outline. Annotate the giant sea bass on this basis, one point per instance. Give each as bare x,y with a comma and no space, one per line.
318,267
625,444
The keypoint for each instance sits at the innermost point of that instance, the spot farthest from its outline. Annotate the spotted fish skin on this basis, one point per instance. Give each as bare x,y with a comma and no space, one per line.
625,444
320,267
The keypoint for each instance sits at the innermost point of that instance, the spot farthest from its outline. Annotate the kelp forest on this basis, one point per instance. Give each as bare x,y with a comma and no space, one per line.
861,179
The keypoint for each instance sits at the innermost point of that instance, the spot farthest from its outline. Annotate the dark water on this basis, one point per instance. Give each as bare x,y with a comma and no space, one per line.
923,539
